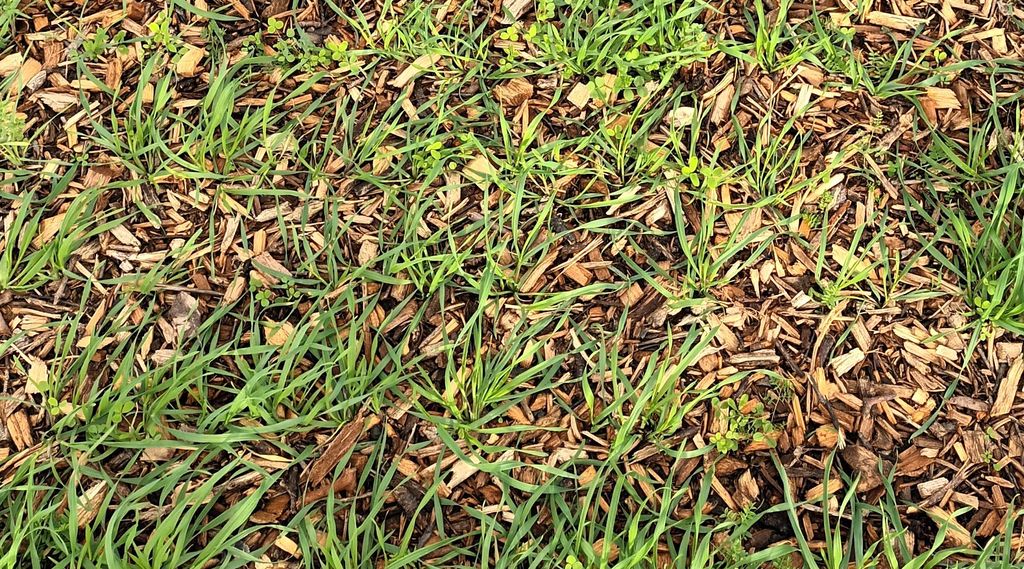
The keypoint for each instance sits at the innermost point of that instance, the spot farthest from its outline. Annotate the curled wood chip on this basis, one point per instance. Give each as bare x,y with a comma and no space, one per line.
747,488
723,102
19,430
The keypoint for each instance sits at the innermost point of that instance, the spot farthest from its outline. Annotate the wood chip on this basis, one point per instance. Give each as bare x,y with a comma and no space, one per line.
339,446
942,98
680,117
89,503
1008,389
480,171
895,21
844,363
278,333
865,462
188,64
19,430
512,10
414,69
956,534
513,92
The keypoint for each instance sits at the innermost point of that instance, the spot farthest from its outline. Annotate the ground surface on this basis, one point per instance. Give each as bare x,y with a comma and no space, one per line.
524,284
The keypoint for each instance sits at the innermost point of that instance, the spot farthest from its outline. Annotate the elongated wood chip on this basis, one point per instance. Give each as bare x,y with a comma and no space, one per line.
895,21
421,64
339,446
1008,389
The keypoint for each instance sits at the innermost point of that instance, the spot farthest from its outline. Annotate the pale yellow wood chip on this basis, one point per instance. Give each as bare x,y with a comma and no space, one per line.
367,252
680,117
461,471
234,290
894,21
265,262
29,69
11,63
512,10
48,230
38,376
421,64
579,95
956,534
121,233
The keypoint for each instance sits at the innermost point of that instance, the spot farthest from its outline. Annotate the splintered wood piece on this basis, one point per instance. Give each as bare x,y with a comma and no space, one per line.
19,430
1008,389
89,503
930,487
723,102
747,489
513,92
